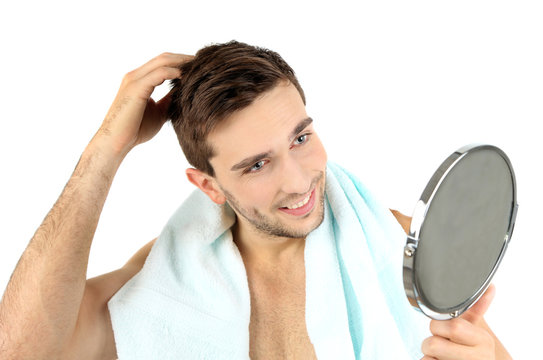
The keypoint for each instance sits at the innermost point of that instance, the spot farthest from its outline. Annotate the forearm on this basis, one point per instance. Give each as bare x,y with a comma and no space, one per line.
39,309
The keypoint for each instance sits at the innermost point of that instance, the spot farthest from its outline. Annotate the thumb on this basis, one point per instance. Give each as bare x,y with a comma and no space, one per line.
478,310
164,103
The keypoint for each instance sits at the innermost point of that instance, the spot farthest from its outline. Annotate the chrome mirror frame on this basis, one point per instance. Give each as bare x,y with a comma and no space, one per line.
413,238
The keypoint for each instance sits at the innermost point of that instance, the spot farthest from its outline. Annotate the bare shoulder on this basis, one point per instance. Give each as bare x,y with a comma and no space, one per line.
93,337
404,220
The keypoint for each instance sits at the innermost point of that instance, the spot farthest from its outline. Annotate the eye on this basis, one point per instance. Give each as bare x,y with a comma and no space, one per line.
301,139
257,166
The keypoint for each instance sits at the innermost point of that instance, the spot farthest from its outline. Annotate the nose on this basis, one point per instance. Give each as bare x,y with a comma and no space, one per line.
295,179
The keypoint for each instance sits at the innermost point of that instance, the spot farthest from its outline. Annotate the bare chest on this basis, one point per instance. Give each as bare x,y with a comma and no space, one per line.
278,329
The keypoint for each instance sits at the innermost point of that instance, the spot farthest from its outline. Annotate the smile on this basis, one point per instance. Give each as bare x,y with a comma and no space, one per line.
300,204
301,208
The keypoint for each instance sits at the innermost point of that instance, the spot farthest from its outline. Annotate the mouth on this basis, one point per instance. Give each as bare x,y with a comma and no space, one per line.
301,208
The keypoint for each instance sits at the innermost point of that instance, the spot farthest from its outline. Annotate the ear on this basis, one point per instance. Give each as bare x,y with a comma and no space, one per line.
207,184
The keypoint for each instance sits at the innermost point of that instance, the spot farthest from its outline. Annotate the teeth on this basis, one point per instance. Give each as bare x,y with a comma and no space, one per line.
300,204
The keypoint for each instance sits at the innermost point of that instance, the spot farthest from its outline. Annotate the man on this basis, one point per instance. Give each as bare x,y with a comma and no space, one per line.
240,117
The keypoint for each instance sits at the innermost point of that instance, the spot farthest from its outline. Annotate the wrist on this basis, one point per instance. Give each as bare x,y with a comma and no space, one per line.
107,147
104,153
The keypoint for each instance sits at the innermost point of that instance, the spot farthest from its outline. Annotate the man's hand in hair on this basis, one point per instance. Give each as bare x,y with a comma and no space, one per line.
134,117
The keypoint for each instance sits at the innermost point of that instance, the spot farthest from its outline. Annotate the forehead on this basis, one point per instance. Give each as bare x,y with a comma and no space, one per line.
262,126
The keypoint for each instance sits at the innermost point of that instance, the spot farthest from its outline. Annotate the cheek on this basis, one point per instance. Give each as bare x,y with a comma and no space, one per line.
319,157
257,194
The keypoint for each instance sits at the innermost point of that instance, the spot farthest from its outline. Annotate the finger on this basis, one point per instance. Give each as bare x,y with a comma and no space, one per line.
164,59
159,75
457,330
425,357
478,310
164,103
444,349
148,83
156,114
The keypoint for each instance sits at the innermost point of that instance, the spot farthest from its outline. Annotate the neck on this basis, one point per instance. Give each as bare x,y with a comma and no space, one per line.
265,252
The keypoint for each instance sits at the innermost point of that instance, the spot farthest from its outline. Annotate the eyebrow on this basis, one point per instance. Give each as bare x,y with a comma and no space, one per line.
255,158
301,125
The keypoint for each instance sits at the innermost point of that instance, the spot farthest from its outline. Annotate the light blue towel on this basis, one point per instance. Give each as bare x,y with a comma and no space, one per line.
191,299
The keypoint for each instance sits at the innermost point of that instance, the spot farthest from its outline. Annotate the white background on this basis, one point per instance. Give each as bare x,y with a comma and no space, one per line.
394,88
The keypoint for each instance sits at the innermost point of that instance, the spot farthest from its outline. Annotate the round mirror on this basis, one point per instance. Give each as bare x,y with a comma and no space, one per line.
460,230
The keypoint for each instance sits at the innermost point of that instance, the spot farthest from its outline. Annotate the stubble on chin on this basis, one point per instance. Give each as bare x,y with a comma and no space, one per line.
275,228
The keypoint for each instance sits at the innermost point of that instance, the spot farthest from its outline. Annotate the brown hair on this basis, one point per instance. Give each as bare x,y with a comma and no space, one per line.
220,80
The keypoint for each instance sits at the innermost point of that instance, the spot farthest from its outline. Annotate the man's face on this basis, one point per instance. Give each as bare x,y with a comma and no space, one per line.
269,159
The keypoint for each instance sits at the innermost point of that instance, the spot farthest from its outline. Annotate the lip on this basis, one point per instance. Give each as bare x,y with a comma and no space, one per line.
304,209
